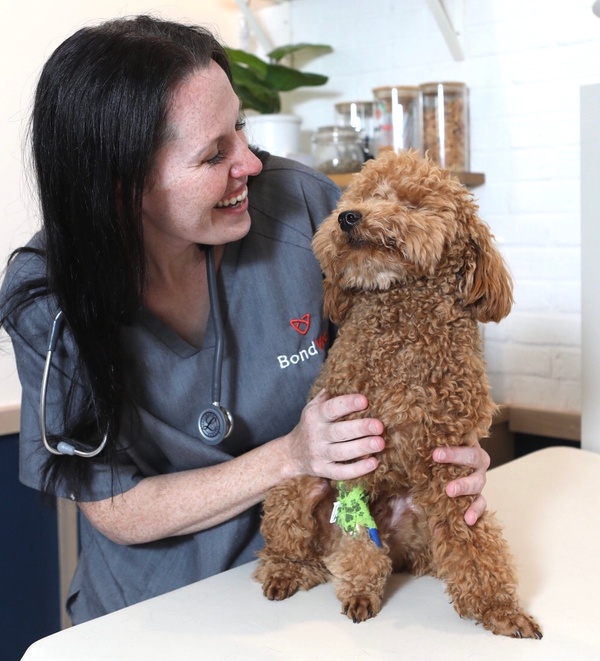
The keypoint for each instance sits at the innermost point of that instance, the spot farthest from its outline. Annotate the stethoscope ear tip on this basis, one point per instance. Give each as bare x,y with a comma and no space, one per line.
65,448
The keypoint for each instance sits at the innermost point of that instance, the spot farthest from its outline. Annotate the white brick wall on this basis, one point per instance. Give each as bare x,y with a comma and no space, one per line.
525,62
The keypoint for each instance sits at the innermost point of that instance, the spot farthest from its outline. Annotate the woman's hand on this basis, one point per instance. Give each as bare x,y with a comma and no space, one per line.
323,445
474,457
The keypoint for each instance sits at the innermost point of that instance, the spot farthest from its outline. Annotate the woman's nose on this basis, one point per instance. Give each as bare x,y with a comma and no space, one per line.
248,164
255,164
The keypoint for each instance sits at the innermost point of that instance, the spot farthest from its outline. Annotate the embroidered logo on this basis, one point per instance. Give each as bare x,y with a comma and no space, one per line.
304,354
301,325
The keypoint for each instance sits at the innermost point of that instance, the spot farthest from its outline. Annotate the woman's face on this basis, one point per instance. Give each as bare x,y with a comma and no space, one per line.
198,190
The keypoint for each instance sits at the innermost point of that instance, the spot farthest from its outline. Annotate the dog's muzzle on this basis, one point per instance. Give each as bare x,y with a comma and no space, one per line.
349,219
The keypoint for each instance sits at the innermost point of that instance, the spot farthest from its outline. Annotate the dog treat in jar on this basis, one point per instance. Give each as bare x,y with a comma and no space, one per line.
398,118
337,150
358,114
446,124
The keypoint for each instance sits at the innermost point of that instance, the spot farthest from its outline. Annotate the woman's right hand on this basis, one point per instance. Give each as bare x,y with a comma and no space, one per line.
323,445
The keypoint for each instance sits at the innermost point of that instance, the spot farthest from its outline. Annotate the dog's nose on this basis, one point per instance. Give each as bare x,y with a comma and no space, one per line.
348,219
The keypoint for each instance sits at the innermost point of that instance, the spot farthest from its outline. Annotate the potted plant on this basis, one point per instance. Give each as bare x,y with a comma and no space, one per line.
259,85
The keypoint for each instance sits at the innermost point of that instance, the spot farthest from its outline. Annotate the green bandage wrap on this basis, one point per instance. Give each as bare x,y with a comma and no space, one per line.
352,509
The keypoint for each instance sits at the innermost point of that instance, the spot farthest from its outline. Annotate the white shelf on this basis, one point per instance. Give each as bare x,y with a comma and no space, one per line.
449,15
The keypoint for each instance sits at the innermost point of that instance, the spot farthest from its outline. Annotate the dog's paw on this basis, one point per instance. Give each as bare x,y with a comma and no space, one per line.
511,622
277,588
361,607
282,578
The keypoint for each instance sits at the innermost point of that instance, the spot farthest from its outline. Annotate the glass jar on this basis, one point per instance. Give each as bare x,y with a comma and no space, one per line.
446,124
337,150
398,118
358,114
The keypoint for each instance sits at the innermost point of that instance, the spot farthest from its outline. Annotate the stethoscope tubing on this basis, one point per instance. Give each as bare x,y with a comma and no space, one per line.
215,311
224,417
62,448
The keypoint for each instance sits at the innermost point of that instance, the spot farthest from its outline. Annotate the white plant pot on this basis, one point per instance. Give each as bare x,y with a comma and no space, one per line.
278,134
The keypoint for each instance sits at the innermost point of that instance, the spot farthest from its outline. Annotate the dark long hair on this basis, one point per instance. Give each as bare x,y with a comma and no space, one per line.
100,114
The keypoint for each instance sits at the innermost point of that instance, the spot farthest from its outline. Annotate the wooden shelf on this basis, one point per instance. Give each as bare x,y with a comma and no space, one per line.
342,180
554,424
10,417
469,179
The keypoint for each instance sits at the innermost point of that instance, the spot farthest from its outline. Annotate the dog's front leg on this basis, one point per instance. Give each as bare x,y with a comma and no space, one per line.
360,570
291,559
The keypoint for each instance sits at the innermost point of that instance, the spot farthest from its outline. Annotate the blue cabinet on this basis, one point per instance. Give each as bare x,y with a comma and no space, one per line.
29,574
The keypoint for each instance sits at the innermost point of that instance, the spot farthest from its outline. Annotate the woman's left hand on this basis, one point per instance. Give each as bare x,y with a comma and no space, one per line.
474,457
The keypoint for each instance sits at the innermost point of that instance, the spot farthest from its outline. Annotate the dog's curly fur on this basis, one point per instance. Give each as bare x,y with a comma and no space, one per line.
409,270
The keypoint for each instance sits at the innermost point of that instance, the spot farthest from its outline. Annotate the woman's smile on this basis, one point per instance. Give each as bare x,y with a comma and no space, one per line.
234,201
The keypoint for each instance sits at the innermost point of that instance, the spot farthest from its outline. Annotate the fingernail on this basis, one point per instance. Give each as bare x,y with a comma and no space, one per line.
440,455
376,444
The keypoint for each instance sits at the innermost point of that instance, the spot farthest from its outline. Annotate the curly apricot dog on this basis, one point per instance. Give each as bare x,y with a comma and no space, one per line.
410,270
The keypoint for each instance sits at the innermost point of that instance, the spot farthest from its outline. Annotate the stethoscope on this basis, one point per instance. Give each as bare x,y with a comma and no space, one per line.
215,422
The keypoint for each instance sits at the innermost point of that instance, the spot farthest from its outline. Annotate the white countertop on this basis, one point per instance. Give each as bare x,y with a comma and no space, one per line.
548,502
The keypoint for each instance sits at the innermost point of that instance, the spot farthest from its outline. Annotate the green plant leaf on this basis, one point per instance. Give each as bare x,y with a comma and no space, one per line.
259,98
244,76
279,53
258,83
251,62
285,79
253,92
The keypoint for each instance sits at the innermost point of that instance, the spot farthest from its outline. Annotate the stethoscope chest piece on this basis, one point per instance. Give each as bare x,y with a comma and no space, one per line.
214,424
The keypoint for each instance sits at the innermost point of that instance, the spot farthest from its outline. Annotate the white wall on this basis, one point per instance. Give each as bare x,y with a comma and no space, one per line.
525,62
590,257
31,30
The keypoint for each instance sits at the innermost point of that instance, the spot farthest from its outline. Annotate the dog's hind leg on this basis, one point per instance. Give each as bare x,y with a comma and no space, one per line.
360,570
295,538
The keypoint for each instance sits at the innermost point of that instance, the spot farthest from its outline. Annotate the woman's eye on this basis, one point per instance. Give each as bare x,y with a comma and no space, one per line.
217,158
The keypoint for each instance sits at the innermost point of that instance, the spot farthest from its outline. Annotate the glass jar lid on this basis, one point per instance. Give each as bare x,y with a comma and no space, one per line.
450,85
336,134
363,107
385,91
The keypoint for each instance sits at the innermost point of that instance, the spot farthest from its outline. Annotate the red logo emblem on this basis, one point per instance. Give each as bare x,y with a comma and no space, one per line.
301,325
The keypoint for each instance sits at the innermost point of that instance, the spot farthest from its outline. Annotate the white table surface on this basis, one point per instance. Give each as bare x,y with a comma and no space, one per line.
549,504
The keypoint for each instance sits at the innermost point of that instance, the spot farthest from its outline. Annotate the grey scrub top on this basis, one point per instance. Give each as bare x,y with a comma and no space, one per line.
270,292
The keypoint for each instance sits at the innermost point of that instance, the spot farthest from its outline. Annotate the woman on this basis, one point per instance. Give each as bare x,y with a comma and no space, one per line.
142,163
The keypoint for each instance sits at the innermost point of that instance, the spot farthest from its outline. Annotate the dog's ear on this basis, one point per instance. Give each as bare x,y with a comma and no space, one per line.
486,282
337,301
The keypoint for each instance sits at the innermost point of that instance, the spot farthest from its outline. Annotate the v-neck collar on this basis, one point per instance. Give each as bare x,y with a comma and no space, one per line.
163,332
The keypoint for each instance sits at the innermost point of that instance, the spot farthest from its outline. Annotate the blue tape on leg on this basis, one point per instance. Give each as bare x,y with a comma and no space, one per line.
374,535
